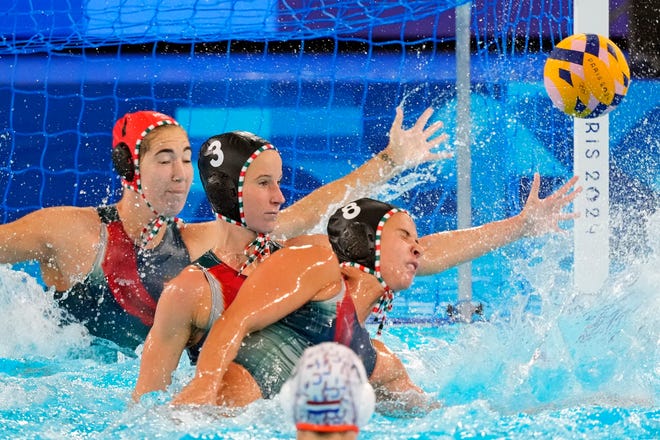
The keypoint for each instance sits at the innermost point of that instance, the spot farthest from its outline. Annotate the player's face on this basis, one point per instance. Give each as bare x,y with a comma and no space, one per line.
262,196
166,170
400,251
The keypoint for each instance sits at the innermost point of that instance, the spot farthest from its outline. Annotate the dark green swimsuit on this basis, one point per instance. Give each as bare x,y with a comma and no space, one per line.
271,353
117,299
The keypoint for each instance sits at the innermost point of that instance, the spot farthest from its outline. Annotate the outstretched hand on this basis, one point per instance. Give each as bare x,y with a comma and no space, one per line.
412,147
541,216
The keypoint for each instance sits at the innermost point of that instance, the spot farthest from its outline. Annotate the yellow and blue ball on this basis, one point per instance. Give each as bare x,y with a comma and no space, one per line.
586,75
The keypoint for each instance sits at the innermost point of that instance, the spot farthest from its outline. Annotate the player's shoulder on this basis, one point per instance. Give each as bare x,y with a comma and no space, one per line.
199,237
187,287
68,217
199,227
191,276
309,240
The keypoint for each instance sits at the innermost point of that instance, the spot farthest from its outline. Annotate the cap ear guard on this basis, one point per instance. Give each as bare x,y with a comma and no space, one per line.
365,409
123,161
222,193
364,399
354,241
287,397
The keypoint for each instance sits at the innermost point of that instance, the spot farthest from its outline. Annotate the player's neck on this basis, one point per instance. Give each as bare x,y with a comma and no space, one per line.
231,243
135,215
364,289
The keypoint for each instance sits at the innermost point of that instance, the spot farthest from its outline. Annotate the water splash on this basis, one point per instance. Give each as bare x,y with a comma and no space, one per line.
30,320
573,349
549,360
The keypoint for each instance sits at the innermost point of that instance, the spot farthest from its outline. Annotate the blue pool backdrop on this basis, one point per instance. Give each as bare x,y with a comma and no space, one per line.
56,144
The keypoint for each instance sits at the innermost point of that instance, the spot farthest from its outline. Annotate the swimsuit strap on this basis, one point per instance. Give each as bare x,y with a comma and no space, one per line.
386,299
109,214
207,260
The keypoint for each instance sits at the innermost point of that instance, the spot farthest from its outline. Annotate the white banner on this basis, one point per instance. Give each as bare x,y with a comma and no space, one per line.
591,161
591,231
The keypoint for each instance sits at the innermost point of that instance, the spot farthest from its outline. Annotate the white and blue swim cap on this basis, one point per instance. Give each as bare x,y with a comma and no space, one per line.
328,390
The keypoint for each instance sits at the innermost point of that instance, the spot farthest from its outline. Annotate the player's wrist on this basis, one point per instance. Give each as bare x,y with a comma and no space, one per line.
387,161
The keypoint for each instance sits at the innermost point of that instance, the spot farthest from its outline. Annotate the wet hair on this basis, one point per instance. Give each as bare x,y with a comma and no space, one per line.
223,162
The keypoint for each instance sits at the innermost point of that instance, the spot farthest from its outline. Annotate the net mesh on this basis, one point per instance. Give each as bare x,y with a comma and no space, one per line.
320,79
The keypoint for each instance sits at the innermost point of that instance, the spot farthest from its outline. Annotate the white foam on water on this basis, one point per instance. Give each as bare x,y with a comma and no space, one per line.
30,320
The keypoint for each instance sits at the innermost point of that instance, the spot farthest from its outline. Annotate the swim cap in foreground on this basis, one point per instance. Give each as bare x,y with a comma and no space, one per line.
223,162
328,390
127,136
354,231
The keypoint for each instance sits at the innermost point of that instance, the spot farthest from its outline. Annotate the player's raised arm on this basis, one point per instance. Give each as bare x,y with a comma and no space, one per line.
406,149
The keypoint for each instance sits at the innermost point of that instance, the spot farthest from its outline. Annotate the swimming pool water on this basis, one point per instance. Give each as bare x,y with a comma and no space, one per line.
567,366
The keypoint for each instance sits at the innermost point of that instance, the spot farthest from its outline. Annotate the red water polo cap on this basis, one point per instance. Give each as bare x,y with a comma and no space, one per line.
131,129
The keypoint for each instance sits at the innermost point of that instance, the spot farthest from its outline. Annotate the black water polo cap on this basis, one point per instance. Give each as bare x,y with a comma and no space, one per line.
223,161
353,231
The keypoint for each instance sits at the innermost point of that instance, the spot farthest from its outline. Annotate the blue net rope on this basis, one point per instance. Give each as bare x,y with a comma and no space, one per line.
50,25
319,79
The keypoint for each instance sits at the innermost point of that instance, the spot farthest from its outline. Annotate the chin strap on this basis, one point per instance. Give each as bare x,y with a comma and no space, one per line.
384,303
258,250
155,225
151,229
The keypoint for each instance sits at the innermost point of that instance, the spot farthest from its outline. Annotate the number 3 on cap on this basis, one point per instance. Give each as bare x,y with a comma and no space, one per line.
216,148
